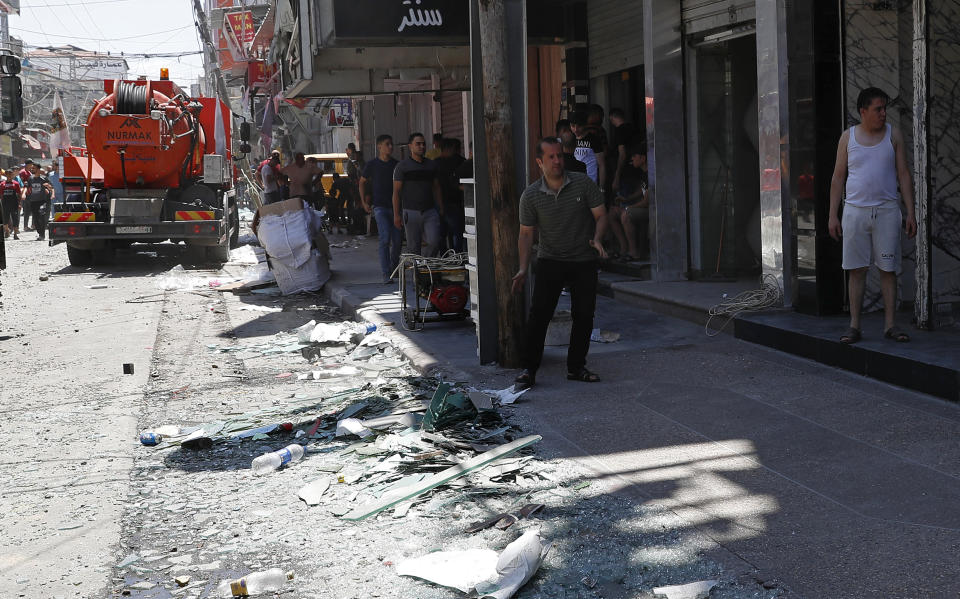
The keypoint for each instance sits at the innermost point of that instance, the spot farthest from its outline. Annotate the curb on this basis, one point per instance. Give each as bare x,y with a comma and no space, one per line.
423,362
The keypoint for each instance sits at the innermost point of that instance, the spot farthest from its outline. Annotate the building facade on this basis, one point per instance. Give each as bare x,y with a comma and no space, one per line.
744,102
741,104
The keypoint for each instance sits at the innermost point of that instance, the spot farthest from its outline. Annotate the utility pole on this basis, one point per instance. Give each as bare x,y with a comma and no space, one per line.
211,51
501,166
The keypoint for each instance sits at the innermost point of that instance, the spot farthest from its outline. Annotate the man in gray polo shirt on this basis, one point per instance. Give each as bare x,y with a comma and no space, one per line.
417,191
567,210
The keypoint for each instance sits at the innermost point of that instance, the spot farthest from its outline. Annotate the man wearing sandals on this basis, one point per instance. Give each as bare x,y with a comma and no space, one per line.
870,163
567,211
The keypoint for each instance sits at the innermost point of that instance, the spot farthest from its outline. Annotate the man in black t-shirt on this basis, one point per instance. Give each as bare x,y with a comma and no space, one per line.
37,195
453,213
569,145
590,149
376,185
417,199
621,143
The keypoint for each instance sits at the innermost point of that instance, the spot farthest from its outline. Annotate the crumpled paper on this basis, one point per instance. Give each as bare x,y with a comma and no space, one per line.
352,426
505,396
492,576
693,590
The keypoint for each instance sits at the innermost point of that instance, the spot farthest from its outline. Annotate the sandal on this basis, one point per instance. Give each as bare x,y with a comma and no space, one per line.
897,334
525,380
584,376
851,336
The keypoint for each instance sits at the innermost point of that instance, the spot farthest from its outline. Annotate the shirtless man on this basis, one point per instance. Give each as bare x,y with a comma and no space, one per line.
301,174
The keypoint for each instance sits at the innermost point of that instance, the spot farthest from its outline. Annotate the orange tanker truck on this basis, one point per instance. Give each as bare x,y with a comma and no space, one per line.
157,166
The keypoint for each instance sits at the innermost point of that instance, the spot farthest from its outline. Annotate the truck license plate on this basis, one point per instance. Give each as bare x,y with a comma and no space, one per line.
121,230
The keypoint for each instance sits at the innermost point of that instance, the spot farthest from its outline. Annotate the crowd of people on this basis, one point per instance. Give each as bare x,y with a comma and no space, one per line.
28,190
618,165
419,196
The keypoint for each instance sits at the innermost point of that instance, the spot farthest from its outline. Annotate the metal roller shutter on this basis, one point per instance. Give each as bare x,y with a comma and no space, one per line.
451,114
703,15
615,35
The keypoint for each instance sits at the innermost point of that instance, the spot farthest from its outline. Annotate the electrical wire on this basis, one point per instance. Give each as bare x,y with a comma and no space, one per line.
413,262
75,37
768,296
124,55
88,2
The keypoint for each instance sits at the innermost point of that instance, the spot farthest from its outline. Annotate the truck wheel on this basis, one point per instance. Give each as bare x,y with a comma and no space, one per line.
79,257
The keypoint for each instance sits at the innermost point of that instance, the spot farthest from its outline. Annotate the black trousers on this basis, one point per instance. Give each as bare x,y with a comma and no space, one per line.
40,212
551,277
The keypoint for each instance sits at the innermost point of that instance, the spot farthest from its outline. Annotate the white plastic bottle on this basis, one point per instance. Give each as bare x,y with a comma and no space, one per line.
269,462
254,583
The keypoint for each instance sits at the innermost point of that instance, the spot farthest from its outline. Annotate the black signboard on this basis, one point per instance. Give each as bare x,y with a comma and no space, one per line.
375,22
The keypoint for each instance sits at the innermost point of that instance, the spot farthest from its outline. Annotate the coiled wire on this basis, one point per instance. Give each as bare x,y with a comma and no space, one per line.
767,296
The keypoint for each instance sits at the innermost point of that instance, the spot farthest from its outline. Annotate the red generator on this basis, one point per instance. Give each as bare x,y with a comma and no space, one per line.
439,290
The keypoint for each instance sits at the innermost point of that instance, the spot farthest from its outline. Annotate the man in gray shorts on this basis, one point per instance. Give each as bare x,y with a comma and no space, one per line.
871,161
416,190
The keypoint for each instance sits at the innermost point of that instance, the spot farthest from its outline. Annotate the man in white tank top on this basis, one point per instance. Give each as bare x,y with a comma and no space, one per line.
871,162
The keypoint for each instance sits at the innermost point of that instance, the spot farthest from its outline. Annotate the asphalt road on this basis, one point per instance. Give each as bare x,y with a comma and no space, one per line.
695,458
69,415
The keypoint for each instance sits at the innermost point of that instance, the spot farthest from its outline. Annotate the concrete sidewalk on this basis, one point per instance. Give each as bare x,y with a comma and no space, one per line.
815,481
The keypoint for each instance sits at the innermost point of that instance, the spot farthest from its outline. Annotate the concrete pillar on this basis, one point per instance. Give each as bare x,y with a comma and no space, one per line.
778,239
666,139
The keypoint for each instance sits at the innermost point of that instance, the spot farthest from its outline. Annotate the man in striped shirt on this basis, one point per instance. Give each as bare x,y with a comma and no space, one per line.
567,211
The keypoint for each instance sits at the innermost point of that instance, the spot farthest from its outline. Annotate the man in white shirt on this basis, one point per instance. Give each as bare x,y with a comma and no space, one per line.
269,172
871,162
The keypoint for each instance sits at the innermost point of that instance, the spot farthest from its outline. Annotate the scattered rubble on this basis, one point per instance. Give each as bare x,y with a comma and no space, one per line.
395,466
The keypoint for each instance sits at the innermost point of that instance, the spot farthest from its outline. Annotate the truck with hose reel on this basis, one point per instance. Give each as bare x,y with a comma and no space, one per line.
157,166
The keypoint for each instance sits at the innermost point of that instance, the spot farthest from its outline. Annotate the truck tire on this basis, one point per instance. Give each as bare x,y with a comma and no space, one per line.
79,257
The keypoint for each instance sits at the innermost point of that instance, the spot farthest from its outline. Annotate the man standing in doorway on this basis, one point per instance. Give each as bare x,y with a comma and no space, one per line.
376,185
567,211
416,191
621,144
871,161
569,144
589,149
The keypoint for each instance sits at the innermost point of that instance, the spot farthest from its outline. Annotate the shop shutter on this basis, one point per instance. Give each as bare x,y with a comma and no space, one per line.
704,15
451,114
615,35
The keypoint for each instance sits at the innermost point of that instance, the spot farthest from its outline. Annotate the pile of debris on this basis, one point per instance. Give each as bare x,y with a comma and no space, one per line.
378,439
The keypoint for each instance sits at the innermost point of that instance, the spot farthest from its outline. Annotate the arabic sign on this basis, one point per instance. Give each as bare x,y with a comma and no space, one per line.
408,21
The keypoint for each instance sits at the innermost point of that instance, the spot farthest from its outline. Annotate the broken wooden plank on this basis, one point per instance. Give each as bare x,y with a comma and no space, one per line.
405,491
